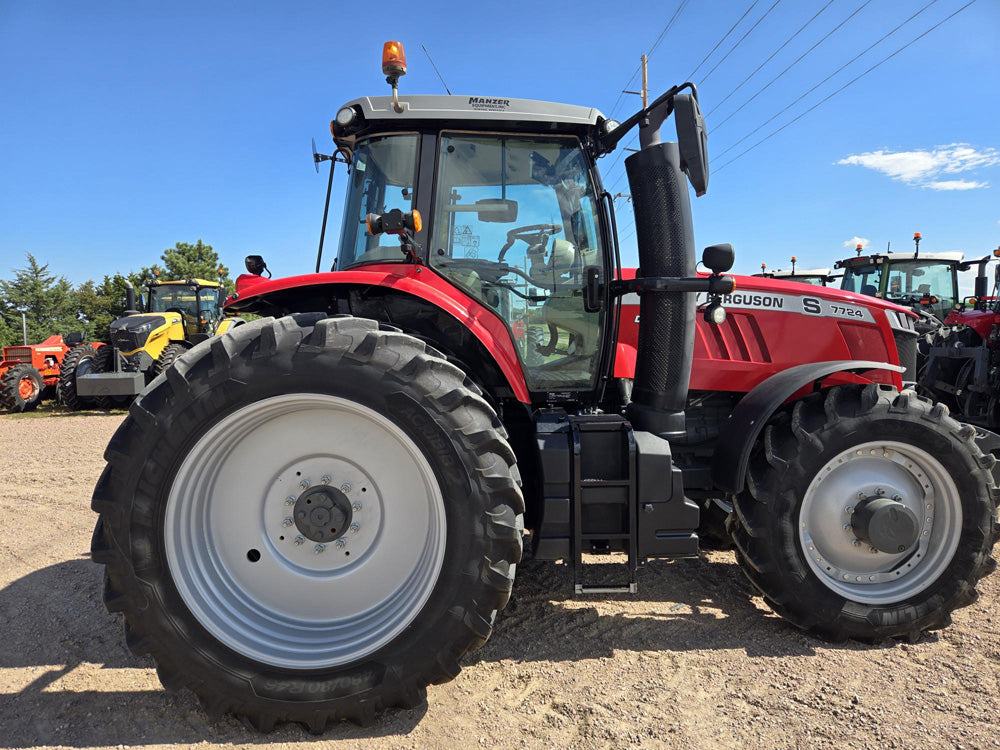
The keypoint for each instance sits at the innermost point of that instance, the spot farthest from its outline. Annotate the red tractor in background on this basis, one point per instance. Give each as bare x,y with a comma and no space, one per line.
30,373
316,515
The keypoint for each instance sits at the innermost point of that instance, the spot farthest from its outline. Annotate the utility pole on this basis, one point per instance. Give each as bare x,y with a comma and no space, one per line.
644,93
645,84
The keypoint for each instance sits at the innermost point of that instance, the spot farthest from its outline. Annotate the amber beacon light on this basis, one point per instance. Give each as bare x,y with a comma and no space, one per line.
393,59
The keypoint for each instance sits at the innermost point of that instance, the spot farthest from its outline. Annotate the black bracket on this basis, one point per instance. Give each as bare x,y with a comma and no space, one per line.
715,285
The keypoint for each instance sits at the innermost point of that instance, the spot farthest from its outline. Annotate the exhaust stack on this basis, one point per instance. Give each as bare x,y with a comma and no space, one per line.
666,319
130,299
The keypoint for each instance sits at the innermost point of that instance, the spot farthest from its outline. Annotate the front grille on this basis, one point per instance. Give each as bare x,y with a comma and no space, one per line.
127,341
906,346
18,354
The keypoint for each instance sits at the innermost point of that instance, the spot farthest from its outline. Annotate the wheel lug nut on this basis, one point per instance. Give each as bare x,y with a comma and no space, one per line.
849,509
299,540
341,544
873,550
345,487
356,507
355,527
319,548
897,498
325,479
304,483
879,492
287,522
856,542
290,500
848,527
861,496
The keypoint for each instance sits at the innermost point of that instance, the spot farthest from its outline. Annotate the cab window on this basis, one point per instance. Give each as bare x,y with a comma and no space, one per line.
515,227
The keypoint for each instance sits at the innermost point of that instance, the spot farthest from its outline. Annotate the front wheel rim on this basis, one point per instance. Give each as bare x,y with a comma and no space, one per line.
293,598
27,388
898,470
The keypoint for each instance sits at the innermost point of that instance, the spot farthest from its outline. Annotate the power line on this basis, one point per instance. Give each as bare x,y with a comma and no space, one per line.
867,49
740,41
652,49
724,38
757,69
794,63
852,81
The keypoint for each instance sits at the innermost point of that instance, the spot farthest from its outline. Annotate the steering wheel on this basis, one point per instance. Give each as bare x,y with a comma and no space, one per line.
533,234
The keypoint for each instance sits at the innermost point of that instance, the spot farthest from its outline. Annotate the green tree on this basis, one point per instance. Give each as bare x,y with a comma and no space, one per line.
99,304
187,261
48,302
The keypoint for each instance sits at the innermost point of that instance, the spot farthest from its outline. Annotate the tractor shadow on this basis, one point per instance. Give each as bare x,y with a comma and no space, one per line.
66,677
681,605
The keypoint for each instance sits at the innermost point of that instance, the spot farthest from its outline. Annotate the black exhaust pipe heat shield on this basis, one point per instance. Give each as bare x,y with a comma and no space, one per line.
667,319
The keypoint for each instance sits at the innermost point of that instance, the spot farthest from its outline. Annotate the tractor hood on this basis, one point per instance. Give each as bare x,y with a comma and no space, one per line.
980,321
762,284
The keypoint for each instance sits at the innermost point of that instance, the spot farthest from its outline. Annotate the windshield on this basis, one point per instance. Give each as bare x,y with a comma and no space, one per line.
911,281
382,177
862,279
815,280
515,226
163,298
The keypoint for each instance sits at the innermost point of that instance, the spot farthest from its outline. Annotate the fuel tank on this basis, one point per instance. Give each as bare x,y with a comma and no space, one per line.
772,325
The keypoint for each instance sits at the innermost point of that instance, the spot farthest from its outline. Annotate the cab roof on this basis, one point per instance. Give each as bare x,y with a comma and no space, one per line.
946,257
188,282
780,274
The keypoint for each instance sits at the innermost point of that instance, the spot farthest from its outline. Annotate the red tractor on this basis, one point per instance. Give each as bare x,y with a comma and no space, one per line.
318,514
28,373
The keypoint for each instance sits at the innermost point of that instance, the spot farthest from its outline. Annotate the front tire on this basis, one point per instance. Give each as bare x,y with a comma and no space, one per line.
821,461
21,388
200,524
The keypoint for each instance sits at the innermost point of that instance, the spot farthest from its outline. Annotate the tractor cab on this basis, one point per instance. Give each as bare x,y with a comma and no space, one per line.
198,301
926,282
512,219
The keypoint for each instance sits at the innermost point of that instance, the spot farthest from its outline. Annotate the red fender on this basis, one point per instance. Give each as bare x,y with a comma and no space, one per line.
418,281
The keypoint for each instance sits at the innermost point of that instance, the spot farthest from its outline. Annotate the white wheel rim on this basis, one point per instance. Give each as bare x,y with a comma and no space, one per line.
297,606
902,472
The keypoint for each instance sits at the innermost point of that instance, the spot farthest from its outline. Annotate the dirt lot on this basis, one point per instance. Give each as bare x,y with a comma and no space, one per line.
692,661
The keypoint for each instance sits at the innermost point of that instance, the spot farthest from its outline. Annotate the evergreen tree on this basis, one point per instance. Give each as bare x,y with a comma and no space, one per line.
187,261
47,301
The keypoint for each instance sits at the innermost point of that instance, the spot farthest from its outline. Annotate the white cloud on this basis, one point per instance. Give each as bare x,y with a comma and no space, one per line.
855,241
955,185
921,167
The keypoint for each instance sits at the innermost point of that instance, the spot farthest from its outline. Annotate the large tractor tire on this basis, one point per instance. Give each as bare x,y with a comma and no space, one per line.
167,357
21,388
79,360
308,519
869,514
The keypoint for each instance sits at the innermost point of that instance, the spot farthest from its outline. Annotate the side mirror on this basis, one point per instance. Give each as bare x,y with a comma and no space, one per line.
692,141
255,264
75,338
496,210
718,258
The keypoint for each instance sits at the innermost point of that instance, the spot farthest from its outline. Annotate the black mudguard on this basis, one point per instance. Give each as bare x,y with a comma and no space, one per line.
732,452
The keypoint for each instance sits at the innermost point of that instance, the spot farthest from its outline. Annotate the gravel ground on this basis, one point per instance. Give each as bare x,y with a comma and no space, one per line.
692,661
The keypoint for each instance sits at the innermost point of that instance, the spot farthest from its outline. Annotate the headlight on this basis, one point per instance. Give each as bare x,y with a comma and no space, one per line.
346,116
144,328
610,125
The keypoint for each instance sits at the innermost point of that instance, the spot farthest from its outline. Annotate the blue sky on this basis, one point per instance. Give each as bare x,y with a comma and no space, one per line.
127,127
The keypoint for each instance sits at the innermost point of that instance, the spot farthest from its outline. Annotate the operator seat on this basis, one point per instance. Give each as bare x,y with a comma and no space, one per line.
562,273
869,290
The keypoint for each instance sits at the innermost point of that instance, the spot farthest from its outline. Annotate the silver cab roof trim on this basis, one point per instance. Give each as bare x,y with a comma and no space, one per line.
801,272
442,107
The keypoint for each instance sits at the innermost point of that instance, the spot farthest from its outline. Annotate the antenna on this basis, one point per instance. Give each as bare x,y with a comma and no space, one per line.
436,69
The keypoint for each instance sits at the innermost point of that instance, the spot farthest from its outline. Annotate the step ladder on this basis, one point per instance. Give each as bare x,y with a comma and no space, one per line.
603,483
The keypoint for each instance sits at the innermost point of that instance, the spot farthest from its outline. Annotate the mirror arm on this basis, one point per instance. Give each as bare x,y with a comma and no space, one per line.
607,142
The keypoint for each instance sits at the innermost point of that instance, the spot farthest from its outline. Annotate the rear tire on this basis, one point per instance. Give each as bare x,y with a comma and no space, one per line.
794,534
21,388
226,417
80,359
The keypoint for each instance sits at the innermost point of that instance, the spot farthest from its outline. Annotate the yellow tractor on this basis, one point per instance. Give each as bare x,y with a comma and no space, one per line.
176,315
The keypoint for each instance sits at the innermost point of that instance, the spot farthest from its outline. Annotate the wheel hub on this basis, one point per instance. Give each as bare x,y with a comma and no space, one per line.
26,388
885,524
322,514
